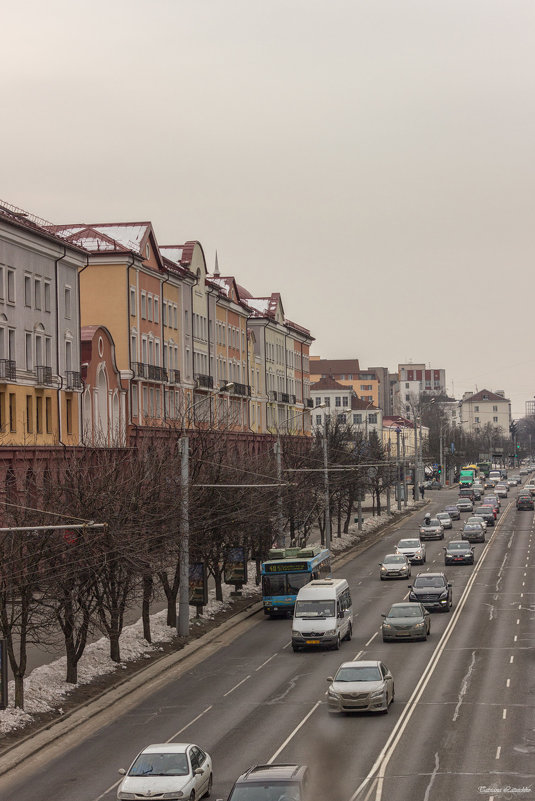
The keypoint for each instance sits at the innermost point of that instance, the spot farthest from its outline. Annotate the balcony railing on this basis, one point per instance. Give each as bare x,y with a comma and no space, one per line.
44,376
174,376
241,389
8,370
151,372
273,396
140,369
73,380
204,381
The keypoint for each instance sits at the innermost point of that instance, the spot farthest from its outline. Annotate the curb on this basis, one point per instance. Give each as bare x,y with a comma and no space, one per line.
122,689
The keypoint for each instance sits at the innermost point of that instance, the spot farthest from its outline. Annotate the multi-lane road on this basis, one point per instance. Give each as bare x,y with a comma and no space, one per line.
462,725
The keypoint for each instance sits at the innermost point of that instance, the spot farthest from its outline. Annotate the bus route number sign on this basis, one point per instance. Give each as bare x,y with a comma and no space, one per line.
294,567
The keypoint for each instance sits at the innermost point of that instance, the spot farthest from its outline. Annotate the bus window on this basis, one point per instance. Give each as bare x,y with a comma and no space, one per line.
274,585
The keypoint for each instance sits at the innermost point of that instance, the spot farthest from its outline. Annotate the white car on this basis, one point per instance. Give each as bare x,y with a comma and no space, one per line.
501,490
167,770
366,686
413,549
478,519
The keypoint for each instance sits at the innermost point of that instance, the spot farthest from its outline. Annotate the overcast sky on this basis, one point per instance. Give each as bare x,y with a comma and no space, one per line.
372,161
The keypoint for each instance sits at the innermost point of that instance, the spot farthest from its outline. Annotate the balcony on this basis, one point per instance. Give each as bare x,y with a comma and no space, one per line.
44,376
241,389
204,381
273,396
8,370
174,376
157,373
140,370
73,380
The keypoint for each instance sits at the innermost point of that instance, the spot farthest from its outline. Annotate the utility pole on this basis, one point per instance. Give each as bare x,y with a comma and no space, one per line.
183,592
415,459
326,481
440,457
398,483
281,535
404,474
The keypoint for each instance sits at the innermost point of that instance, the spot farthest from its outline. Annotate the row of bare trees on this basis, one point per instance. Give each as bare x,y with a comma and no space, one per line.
74,584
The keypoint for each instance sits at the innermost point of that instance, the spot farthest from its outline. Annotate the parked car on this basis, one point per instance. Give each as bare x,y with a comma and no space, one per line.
445,519
273,781
361,686
453,512
433,590
413,549
394,565
431,529
473,532
167,770
458,552
524,502
406,621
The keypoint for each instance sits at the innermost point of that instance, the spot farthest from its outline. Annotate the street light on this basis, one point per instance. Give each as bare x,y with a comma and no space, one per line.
183,592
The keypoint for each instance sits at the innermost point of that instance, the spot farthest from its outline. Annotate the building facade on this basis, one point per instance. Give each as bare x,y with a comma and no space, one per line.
485,408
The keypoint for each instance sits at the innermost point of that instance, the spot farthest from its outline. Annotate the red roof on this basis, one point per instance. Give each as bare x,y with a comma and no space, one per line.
358,403
328,382
335,367
486,395
397,422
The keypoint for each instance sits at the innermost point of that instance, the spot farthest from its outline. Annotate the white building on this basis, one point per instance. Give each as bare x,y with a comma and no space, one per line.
483,408
340,402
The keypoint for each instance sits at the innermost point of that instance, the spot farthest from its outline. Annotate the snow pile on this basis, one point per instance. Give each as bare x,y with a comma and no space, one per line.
45,688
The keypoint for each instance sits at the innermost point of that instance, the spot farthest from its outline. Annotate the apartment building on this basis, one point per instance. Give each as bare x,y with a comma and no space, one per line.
341,403
484,408
414,380
40,382
365,383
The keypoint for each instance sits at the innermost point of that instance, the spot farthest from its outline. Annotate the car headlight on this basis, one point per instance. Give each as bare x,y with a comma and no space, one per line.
419,625
444,594
377,694
412,596
126,796
387,625
296,633
383,570
331,693
329,633
171,795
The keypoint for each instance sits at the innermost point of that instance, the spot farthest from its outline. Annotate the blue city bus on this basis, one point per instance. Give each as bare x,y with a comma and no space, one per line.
286,571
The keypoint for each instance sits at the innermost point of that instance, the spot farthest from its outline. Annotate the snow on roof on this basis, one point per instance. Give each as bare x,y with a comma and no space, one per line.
172,252
260,305
224,284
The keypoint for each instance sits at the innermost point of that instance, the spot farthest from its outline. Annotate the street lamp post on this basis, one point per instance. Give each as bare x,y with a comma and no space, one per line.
183,590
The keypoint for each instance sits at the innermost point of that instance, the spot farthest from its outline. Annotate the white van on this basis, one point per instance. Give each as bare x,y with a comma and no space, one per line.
323,614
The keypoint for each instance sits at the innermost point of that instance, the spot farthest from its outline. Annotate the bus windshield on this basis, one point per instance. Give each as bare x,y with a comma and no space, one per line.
314,608
284,583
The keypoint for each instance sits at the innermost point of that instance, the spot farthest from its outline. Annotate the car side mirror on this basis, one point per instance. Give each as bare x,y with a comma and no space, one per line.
122,771
330,678
450,583
198,772
409,586
383,615
380,564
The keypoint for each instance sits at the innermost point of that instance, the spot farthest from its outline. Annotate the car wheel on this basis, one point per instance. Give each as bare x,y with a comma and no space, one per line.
382,578
349,633
337,644
393,694
209,788
295,648
192,796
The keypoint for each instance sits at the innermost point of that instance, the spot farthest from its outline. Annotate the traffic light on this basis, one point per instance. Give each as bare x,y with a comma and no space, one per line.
439,469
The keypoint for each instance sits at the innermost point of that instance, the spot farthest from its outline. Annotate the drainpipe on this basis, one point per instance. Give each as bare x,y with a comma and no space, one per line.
80,412
192,337
130,422
59,389
165,280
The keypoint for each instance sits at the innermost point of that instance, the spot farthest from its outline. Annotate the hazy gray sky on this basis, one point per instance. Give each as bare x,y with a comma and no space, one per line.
372,161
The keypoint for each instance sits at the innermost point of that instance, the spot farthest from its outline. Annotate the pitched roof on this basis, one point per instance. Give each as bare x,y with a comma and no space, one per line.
397,421
31,222
486,395
334,367
98,237
328,382
358,403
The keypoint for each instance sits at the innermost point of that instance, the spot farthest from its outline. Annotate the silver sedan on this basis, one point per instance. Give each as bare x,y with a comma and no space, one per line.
365,686
406,621
394,565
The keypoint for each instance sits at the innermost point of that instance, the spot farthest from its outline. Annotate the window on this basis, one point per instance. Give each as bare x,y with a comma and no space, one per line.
29,352
67,302
133,310
477,419
342,418
27,291
68,405
48,351
39,414
1,284
476,408
149,308
318,419
143,305
345,401
133,347
495,419
2,411
185,320
68,355
12,412
494,408
11,286
338,401
327,401
407,385
164,312
47,296
156,310
37,293
48,415
11,344
175,314
372,419
29,414
357,419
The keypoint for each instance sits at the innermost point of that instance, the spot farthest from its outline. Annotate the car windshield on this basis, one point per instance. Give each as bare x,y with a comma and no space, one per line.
443,516
484,510
370,673
428,581
434,522
394,559
457,546
476,519
266,791
451,508
405,611
314,608
161,764
409,544
472,527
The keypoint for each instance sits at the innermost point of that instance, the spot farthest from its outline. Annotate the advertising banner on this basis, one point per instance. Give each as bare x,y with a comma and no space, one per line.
198,585
235,565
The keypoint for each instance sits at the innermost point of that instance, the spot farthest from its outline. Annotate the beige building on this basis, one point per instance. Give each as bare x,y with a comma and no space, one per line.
484,408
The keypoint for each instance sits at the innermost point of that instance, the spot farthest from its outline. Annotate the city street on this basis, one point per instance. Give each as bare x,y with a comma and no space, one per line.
462,724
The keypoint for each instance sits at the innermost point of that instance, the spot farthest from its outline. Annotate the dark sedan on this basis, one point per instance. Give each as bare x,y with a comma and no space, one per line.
487,513
453,512
433,590
473,532
458,552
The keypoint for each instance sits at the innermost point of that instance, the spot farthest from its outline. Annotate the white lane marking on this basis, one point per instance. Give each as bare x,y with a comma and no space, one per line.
498,752
504,714
511,660
265,663
515,638
464,686
235,686
117,783
427,795
517,621
520,606
287,645
357,656
371,639
381,763
508,683
293,733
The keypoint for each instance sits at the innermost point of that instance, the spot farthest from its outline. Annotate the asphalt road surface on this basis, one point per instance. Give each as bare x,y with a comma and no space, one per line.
462,725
